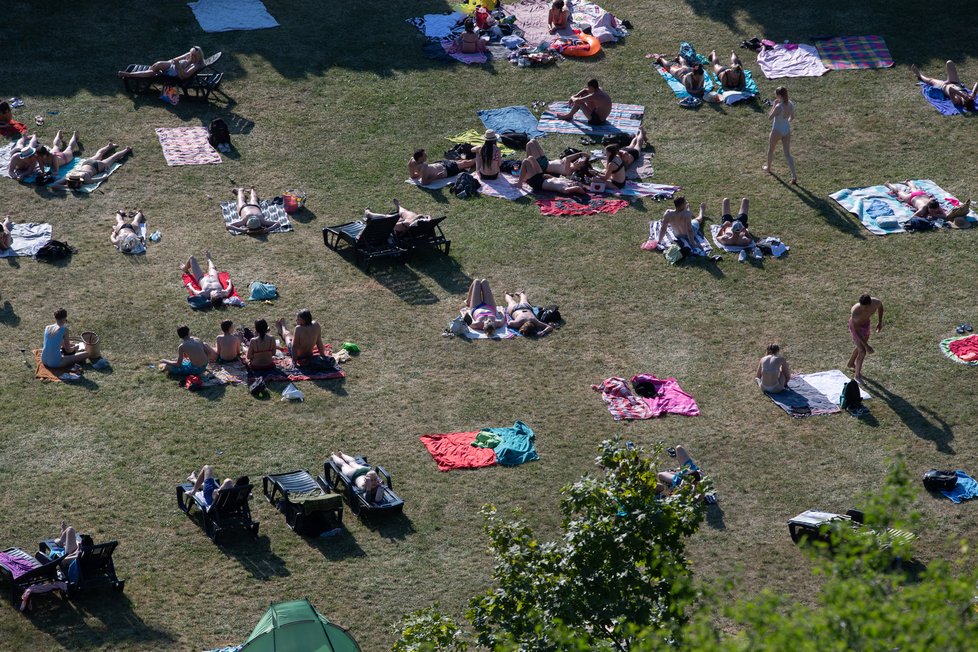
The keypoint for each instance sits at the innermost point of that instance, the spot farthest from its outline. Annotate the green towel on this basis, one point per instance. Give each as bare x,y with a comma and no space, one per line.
487,439
473,137
516,446
317,501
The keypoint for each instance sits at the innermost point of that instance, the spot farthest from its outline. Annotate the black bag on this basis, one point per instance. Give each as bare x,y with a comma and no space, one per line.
550,315
218,133
622,140
645,389
258,388
465,186
516,139
919,224
935,480
460,151
569,151
54,250
850,399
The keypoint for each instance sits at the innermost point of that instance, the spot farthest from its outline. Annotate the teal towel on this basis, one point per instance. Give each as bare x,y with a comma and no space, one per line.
516,446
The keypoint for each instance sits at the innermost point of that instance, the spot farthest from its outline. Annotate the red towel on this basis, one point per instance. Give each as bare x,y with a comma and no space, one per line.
568,206
225,279
454,450
13,129
965,348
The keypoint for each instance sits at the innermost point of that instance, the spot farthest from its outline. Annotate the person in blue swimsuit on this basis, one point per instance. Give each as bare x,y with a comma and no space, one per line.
205,483
57,350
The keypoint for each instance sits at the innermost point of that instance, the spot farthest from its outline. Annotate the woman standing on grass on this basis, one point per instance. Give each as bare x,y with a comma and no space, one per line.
782,115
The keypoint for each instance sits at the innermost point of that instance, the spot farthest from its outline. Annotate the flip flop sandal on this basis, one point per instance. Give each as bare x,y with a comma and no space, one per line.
960,330
38,120
671,452
968,327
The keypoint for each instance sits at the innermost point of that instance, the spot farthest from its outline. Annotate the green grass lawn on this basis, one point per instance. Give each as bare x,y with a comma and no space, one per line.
333,102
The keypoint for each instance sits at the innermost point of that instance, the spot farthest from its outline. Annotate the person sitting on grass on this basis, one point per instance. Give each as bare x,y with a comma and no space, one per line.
365,478
421,170
93,169
261,348
227,347
480,308
732,77
305,340
60,154
689,73
773,373
126,237
182,67
669,481
592,101
23,159
250,219
209,283
522,317
192,356
951,86
205,483
927,206
6,237
558,17
58,351
469,41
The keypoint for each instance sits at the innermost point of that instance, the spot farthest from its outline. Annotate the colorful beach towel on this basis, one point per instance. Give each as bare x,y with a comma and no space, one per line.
65,169
505,446
731,96
505,186
511,119
270,211
531,19
563,205
623,403
643,189
882,213
677,87
13,129
624,118
963,349
289,370
231,15
475,138
701,246
187,146
965,488
232,299
939,101
51,374
791,60
504,333
854,52
451,49
26,239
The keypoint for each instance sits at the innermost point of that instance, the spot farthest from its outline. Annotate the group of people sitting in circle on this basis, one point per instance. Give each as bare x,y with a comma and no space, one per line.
482,314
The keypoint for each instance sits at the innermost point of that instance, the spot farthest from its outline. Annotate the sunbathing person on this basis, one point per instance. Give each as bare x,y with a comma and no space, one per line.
92,169
772,371
227,347
480,308
58,351
533,174
488,158
618,159
689,73
558,17
669,481
567,166
205,483
126,237
469,41
734,232
250,219
406,219
6,238
65,547
23,158
927,206
951,86
307,337
592,101
182,67
209,283
684,227
522,317
261,348
192,356
421,170
60,154
732,77
365,478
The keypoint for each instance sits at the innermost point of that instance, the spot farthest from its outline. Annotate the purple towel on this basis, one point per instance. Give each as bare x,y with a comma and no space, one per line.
939,100
16,565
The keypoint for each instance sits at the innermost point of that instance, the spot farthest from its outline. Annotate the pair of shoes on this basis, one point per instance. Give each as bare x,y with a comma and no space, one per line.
743,255
963,328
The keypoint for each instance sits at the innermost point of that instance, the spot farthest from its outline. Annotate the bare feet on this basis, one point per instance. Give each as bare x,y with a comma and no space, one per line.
916,71
280,325
794,181
713,56
563,116
767,168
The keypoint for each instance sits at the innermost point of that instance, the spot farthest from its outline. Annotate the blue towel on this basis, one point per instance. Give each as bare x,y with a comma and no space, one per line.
677,86
516,119
965,488
940,101
877,208
516,446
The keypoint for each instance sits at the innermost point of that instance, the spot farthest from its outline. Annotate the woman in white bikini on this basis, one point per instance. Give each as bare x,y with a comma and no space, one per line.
182,67
782,115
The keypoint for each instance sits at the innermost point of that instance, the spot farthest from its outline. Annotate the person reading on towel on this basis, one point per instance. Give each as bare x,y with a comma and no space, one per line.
305,340
469,41
684,226
125,236
488,158
592,101
261,348
567,166
690,73
669,481
365,478
927,206
951,86
618,159
859,329
250,217
209,283
772,371
732,77
734,232
192,356
521,316
6,238
60,154
421,170
92,169
227,348
480,308
182,67
58,351
23,158
558,17
207,486
533,172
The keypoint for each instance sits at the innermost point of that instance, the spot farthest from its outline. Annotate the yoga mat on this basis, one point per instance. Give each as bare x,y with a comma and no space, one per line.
271,211
791,60
854,52
515,119
27,238
231,15
624,118
187,146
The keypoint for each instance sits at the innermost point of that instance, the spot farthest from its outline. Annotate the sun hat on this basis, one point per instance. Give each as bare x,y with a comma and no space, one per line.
490,135
27,152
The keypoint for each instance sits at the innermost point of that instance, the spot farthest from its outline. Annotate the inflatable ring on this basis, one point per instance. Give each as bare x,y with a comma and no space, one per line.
590,46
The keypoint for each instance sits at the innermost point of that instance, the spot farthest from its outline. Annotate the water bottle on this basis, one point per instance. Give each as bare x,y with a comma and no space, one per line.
155,236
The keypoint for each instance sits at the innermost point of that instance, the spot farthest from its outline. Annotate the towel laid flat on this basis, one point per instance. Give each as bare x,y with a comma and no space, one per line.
187,146
643,189
434,185
963,349
474,58
701,246
515,119
473,137
791,61
438,26
715,231
233,298
731,95
505,186
504,333
854,52
800,399
965,488
531,18
877,209
624,118
65,169
563,205
270,211
678,88
830,384
623,403
27,238
231,15
454,450
937,99
51,374
5,153
289,370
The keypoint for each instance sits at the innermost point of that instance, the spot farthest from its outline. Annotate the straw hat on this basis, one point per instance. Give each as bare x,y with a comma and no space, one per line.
490,135
27,152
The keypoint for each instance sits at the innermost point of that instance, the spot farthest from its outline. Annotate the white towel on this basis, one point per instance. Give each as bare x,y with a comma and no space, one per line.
230,15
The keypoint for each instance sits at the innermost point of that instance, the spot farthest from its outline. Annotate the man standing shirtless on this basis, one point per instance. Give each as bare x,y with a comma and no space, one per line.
684,226
592,101
305,339
859,318
421,170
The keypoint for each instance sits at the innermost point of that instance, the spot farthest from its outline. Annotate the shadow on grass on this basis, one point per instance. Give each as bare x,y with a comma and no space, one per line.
923,422
445,271
714,517
68,622
397,528
834,214
255,556
335,548
404,283
303,216
9,317
335,385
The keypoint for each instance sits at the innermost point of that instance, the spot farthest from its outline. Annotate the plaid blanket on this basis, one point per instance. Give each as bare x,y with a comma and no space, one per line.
854,52
187,146
702,246
624,118
270,211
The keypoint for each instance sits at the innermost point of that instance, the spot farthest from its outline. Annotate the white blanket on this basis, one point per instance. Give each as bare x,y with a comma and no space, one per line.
27,239
230,15
830,384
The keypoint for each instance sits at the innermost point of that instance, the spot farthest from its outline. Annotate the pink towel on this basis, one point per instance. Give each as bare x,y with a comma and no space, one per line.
782,61
623,403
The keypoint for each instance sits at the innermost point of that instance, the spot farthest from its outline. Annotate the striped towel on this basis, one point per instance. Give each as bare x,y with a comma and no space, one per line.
187,146
270,211
854,52
621,401
624,118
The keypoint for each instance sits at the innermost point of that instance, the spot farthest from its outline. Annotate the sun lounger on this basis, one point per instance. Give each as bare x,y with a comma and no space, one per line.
812,525
231,508
356,498
424,234
371,237
198,87
21,570
93,568
310,506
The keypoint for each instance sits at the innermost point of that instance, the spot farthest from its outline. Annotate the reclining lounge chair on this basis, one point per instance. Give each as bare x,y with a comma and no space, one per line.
93,568
424,234
310,506
198,87
809,524
371,237
21,570
230,509
359,503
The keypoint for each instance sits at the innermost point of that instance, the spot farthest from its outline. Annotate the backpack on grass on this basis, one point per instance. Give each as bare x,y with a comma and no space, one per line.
935,480
219,135
465,186
54,250
851,399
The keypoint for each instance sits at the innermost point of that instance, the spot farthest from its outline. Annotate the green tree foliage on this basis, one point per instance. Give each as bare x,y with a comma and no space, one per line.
429,630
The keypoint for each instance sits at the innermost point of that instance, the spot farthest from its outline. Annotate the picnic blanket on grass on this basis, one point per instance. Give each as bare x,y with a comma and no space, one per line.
701,246
962,349
502,187
475,138
623,403
813,394
26,239
531,18
643,189
515,119
44,372
286,369
187,146
458,450
854,52
65,169
876,207
624,118
564,205
504,333
233,299
269,210
939,101
964,489
231,15
791,60
451,50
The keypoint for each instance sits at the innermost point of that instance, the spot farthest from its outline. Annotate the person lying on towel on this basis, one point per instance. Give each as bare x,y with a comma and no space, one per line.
734,232
772,371
592,101
951,86
732,77
618,159
23,158
184,66
59,154
250,219
125,236
690,73
209,283
305,341
92,169
365,478
522,317
480,308
928,207
669,481
684,227
421,170
192,356
538,172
